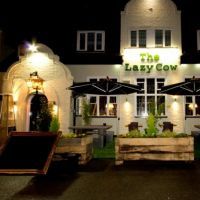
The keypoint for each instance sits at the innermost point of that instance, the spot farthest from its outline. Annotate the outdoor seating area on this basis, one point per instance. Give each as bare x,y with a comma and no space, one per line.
167,126
133,126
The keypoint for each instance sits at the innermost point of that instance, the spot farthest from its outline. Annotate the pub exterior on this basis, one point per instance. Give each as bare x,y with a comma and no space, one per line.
149,55
151,50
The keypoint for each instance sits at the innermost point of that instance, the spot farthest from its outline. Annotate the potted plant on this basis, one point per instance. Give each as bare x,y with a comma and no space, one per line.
76,143
152,145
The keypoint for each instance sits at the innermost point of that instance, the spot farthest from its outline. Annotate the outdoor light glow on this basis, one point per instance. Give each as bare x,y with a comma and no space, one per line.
32,47
175,106
35,82
15,107
39,59
184,65
127,106
110,106
197,66
55,109
175,98
117,66
192,106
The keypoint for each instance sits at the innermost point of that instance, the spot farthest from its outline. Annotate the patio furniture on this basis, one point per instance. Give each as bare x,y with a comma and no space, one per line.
133,126
168,126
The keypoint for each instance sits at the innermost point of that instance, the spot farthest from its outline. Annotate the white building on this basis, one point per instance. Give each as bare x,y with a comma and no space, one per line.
151,49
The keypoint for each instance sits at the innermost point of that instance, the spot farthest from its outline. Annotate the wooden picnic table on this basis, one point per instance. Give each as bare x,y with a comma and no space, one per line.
197,126
101,129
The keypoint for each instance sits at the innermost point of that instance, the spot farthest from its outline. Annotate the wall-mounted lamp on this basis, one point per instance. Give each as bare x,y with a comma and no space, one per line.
15,107
35,82
55,108
32,47
175,98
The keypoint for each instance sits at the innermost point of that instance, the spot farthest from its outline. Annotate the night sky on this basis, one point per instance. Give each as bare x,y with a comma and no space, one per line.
49,21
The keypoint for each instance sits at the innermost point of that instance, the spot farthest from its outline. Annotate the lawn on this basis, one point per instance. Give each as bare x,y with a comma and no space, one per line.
107,152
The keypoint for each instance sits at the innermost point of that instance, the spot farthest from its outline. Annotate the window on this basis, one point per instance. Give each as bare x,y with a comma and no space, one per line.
133,38
103,105
149,98
167,38
90,41
192,105
138,38
162,38
198,39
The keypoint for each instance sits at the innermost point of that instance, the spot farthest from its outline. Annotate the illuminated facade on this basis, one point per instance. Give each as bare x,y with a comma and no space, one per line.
151,51
149,54
36,73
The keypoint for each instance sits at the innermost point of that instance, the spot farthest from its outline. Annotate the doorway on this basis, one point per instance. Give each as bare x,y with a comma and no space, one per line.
40,116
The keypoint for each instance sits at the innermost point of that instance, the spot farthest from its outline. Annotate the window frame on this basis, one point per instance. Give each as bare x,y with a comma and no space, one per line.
95,42
156,94
193,104
164,38
108,98
138,39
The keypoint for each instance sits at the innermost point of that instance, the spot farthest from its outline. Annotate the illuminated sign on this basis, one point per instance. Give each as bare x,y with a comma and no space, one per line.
147,60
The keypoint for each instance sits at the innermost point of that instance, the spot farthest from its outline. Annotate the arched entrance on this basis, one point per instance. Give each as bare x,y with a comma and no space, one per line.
40,116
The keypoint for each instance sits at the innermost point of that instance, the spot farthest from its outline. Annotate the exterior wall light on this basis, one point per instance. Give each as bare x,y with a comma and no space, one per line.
32,48
35,82
55,109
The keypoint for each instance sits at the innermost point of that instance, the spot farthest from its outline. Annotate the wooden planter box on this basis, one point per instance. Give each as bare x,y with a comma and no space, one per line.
82,146
166,149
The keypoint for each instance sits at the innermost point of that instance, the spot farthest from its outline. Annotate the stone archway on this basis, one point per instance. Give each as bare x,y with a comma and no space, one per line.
57,78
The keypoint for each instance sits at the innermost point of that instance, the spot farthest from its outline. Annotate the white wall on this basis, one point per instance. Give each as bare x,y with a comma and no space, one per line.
57,78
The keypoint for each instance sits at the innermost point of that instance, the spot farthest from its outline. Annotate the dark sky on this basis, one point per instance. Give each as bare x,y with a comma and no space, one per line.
22,20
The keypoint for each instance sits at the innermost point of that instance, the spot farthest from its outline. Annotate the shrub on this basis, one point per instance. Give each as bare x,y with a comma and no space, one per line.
151,130
167,133
86,111
134,134
54,125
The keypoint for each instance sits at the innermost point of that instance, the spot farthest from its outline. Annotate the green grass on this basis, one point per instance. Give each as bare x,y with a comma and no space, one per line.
107,152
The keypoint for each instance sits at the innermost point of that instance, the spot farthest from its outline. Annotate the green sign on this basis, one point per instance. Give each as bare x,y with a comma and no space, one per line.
150,62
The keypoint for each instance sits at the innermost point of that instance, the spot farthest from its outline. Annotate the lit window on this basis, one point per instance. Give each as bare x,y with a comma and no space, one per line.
103,105
149,98
192,105
90,41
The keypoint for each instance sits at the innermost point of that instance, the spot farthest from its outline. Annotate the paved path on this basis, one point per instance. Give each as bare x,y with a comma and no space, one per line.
102,180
